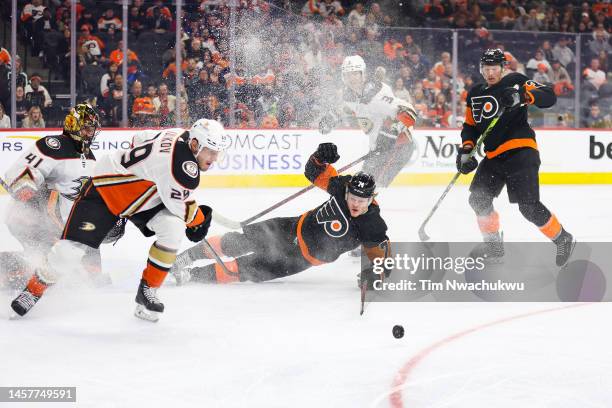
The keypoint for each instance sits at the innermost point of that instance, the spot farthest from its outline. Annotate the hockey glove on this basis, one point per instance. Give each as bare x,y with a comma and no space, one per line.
465,163
511,97
327,153
327,123
197,233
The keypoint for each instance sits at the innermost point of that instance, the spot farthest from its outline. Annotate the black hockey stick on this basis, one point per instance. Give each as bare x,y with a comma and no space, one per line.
226,222
422,234
364,290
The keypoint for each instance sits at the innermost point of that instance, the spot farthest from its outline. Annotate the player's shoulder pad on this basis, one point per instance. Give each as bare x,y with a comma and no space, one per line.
514,78
185,169
58,147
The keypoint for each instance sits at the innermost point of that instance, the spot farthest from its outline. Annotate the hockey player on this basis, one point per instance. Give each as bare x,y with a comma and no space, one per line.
387,120
151,185
44,182
280,247
512,157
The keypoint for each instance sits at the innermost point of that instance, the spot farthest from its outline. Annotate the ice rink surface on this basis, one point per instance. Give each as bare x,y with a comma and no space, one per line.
300,342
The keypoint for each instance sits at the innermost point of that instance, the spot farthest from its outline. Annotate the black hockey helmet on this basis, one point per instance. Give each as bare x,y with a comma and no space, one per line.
362,185
493,56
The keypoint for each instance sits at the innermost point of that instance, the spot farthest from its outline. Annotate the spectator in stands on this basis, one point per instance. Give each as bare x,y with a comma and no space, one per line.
527,22
112,103
563,53
135,92
594,76
288,117
357,17
5,121
439,67
158,17
36,94
392,49
400,90
551,20
87,19
434,10
41,26
419,70
460,17
165,104
600,42
143,110
116,56
136,21
108,78
410,46
603,61
22,77
31,13
267,104
439,112
595,119
22,104
195,50
541,74
330,7
562,82
34,119
547,50
585,25
86,36
504,15
108,20
152,91
532,64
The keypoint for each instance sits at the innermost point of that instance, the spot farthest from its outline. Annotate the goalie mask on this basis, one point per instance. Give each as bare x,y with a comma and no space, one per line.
82,124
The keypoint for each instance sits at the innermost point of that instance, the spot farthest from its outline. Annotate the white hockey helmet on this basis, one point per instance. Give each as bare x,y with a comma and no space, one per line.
209,133
353,63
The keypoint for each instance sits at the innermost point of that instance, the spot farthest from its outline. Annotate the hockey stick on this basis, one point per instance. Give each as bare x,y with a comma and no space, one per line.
215,255
4,185
364,289
226,222
422,234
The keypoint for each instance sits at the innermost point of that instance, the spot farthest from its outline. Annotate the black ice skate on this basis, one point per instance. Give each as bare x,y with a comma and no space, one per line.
492,249
565,243
148,305
24,302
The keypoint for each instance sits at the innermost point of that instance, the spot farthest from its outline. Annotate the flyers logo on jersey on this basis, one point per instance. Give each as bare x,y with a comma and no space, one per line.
484,107
331,216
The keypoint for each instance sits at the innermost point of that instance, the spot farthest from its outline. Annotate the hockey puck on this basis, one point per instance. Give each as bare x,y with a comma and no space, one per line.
398,331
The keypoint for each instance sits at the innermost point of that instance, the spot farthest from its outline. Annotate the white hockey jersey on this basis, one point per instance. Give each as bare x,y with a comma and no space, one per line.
377,110
160,169
53,163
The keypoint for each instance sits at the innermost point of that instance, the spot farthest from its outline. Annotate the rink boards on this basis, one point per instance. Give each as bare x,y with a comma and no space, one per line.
276,157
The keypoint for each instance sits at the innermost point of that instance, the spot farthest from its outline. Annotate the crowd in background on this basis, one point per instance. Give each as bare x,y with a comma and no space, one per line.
288,54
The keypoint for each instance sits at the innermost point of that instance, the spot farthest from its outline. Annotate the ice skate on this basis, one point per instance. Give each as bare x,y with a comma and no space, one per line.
24,302
492,249
148,305
565,243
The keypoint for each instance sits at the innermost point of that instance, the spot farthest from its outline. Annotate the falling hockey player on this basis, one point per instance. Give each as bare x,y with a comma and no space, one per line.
151,185
44,182
387,120
281,247
511,154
